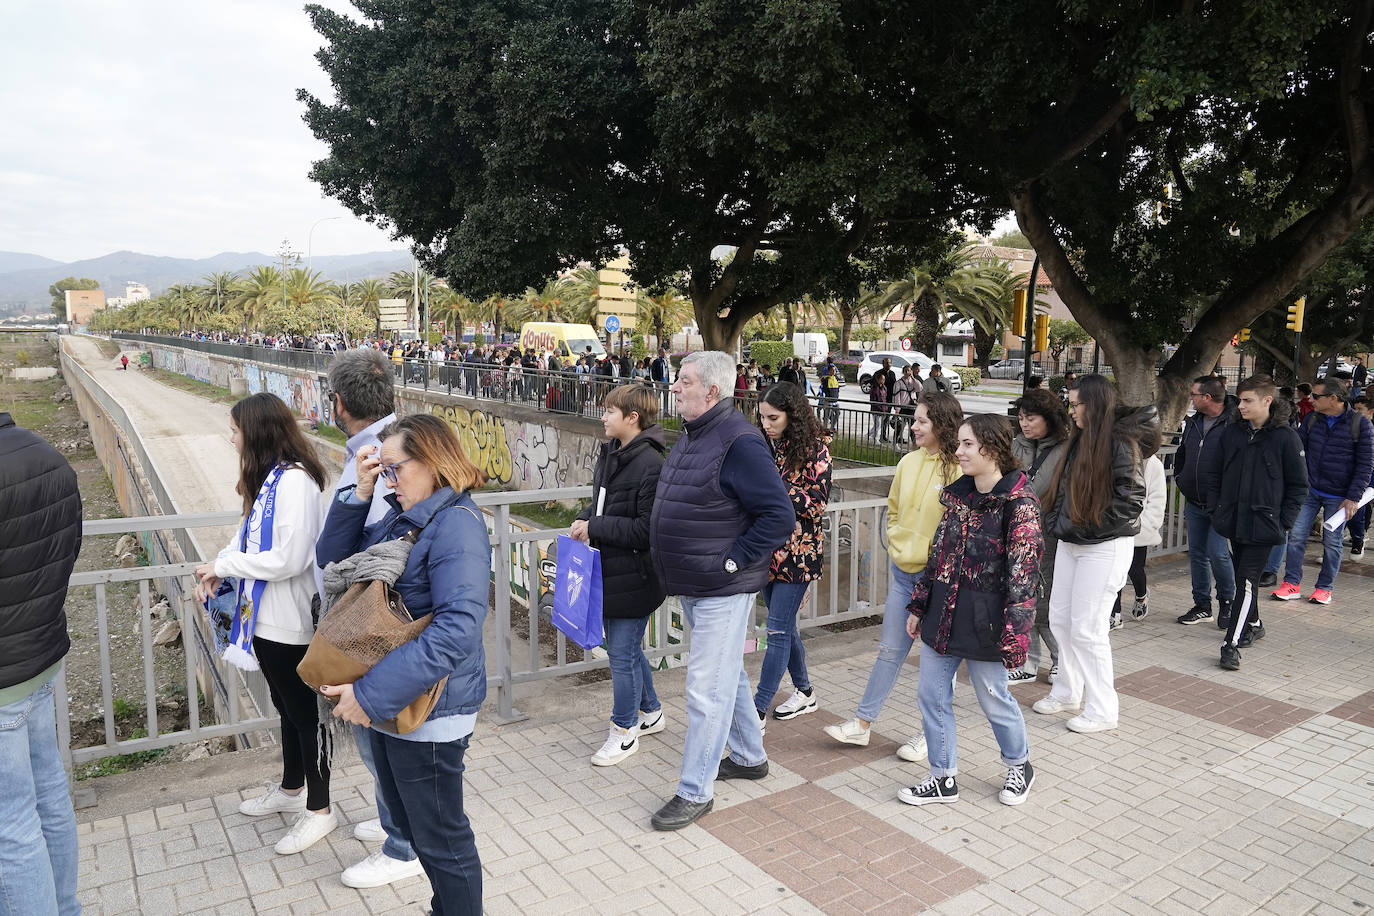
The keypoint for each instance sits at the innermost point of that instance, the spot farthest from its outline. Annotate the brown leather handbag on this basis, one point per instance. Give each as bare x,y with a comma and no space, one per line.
368,621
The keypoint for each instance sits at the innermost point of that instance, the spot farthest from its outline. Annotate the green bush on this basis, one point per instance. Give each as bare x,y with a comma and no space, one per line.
969,376
1056,383
770,352
849,370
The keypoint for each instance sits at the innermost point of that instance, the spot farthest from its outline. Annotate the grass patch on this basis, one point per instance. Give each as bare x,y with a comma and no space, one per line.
330,433
552,514
121,763
193,386
852,450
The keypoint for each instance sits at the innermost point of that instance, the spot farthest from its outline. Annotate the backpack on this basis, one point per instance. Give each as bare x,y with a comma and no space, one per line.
1354,424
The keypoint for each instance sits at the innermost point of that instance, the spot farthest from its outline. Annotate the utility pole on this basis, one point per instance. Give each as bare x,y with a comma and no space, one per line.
287,257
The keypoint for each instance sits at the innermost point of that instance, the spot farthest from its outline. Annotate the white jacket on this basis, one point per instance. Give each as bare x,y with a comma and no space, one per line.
289,567
1152,514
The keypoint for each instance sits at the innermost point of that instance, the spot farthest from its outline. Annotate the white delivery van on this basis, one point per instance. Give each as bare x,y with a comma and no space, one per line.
812,347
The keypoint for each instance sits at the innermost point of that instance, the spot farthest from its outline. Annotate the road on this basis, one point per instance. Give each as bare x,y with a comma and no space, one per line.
992,396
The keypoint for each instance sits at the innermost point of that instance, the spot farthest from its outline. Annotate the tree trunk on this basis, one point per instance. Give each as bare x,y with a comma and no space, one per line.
926,327
790,325
846,328
983,342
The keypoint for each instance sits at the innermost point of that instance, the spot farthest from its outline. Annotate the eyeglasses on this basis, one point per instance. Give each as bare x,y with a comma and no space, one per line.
389,470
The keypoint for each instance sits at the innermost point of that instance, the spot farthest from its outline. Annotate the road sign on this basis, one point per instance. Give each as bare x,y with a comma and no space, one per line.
612,323
906,343
394,314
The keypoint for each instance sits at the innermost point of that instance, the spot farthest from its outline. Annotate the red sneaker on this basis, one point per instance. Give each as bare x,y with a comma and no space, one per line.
1287,591
1320,596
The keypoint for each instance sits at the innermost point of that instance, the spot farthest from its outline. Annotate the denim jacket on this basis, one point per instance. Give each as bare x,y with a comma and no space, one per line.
448,572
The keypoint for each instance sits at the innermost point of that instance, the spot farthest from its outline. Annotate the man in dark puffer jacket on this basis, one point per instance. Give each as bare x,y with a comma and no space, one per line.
617,524
40,536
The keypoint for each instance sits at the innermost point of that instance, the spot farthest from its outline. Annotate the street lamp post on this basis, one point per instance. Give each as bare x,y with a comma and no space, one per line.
287,257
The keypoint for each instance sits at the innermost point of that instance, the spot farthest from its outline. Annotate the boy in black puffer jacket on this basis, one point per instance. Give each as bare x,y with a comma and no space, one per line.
617,524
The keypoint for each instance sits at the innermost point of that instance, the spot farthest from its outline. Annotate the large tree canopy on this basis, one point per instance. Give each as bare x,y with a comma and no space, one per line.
1254,114
511,138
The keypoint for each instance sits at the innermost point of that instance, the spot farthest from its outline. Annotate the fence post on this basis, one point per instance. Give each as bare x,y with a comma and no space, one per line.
501,570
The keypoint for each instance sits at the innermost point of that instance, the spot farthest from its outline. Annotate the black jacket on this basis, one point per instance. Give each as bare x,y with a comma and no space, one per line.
1256,479
623,485
1135,437
40,536
1193,452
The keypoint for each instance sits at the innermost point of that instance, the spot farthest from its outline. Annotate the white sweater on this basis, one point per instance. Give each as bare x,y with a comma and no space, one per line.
1152,515
289,567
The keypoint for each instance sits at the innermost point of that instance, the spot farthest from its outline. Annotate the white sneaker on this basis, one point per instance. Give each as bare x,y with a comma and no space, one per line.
651,723
369,831
850,732
798,705
1048,706
379,869
1086,726
914,750
1054,673
308,830
620,743
272,801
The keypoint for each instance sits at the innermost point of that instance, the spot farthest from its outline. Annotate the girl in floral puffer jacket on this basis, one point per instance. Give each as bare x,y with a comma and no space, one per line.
975,605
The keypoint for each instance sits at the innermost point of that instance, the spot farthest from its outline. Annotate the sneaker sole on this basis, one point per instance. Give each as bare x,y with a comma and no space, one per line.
783,717
1093,729
1014,800
1196,620
910,755
612,761
364,883
927,799
1293,597
1318,601
1225,666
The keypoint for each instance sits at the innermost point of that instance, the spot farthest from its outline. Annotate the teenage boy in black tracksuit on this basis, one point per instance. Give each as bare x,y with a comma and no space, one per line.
1255,482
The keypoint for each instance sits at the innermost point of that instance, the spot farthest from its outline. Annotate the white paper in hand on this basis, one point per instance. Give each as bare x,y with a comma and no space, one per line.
1338,519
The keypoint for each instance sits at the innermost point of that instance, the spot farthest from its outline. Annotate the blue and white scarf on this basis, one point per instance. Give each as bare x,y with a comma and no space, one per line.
254,537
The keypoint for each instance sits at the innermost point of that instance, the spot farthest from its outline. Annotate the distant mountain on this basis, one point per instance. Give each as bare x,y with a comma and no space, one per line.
18,260
29,284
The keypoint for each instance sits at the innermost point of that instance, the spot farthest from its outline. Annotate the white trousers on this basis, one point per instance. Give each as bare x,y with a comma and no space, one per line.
1087,578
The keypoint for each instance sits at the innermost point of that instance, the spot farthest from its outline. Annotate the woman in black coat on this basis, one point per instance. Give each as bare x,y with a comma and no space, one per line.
617,524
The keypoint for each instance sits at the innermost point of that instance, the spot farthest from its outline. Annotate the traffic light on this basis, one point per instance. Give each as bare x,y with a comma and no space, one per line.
1042,333
1018,313
1244,334
1295,313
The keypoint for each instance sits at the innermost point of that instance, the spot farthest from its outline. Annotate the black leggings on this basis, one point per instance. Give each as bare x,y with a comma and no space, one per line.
1137,577
300,721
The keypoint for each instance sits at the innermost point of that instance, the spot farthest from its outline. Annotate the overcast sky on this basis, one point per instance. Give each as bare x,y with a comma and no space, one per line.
166,127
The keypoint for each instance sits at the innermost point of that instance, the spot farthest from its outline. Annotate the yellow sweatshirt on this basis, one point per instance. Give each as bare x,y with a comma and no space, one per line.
913,508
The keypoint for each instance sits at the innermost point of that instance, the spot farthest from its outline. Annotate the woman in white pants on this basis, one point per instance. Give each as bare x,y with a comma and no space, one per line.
1094,505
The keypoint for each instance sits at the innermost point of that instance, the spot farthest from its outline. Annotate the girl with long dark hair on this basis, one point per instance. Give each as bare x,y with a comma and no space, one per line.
273,558
1094,501
913,512
801,448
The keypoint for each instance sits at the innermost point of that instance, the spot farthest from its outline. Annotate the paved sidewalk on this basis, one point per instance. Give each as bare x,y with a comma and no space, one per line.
1222,792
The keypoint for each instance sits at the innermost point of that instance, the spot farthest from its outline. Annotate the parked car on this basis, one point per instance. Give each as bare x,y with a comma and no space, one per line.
1008,368
900,359
1342,365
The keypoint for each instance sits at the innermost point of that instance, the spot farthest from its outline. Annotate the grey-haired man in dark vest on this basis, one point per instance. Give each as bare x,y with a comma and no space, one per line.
719,513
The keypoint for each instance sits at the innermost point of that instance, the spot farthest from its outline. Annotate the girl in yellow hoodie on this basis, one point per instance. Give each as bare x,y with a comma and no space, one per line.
913,512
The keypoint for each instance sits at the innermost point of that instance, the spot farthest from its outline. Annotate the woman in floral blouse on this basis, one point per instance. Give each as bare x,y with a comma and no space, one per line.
801,449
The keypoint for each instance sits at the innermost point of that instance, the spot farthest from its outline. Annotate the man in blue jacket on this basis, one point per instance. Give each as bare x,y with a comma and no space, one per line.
720,511
1340,457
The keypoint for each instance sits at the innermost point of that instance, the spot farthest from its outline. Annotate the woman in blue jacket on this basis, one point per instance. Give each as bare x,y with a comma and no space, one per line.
448,572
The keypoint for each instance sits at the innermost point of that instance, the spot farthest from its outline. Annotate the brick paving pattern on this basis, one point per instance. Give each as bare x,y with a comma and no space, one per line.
1221,792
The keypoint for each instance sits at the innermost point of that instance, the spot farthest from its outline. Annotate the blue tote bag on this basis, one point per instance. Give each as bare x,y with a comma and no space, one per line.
577,593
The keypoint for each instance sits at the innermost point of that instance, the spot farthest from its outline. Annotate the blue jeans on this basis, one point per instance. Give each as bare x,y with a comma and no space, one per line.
1276,556
632,680
395,845
893,644
1209,554
38,857
422,782
1331,540
935,694
784,600
719,702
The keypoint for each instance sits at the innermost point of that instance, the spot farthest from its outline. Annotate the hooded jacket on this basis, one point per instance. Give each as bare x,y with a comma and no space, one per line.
1193,448
977,598
623,485
1255,480
1135,437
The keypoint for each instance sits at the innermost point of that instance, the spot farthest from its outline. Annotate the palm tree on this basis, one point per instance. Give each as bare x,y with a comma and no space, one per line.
670,309
449,306
217,291
366,294
184,303
257,292
541,305
581,294
403,284
930,290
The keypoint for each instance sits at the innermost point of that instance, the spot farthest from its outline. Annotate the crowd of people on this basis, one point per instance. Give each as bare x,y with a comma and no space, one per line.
1008,546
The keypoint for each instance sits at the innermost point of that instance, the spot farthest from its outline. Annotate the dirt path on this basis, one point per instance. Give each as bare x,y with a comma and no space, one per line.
187,436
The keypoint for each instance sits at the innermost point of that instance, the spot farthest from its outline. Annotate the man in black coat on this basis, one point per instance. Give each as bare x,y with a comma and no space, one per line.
40,536
1255,482
617,523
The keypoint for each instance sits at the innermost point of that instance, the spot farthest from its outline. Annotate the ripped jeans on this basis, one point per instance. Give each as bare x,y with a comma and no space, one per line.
784,652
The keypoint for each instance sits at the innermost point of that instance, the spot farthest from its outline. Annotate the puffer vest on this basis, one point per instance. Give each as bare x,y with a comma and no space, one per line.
694,524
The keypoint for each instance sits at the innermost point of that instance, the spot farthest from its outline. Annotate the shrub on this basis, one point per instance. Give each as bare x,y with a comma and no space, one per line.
21,357
1056,383
770,352
969,376
849,370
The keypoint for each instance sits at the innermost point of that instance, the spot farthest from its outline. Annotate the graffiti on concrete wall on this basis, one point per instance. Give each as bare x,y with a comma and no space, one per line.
192,364
300,392
536,457
483,438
